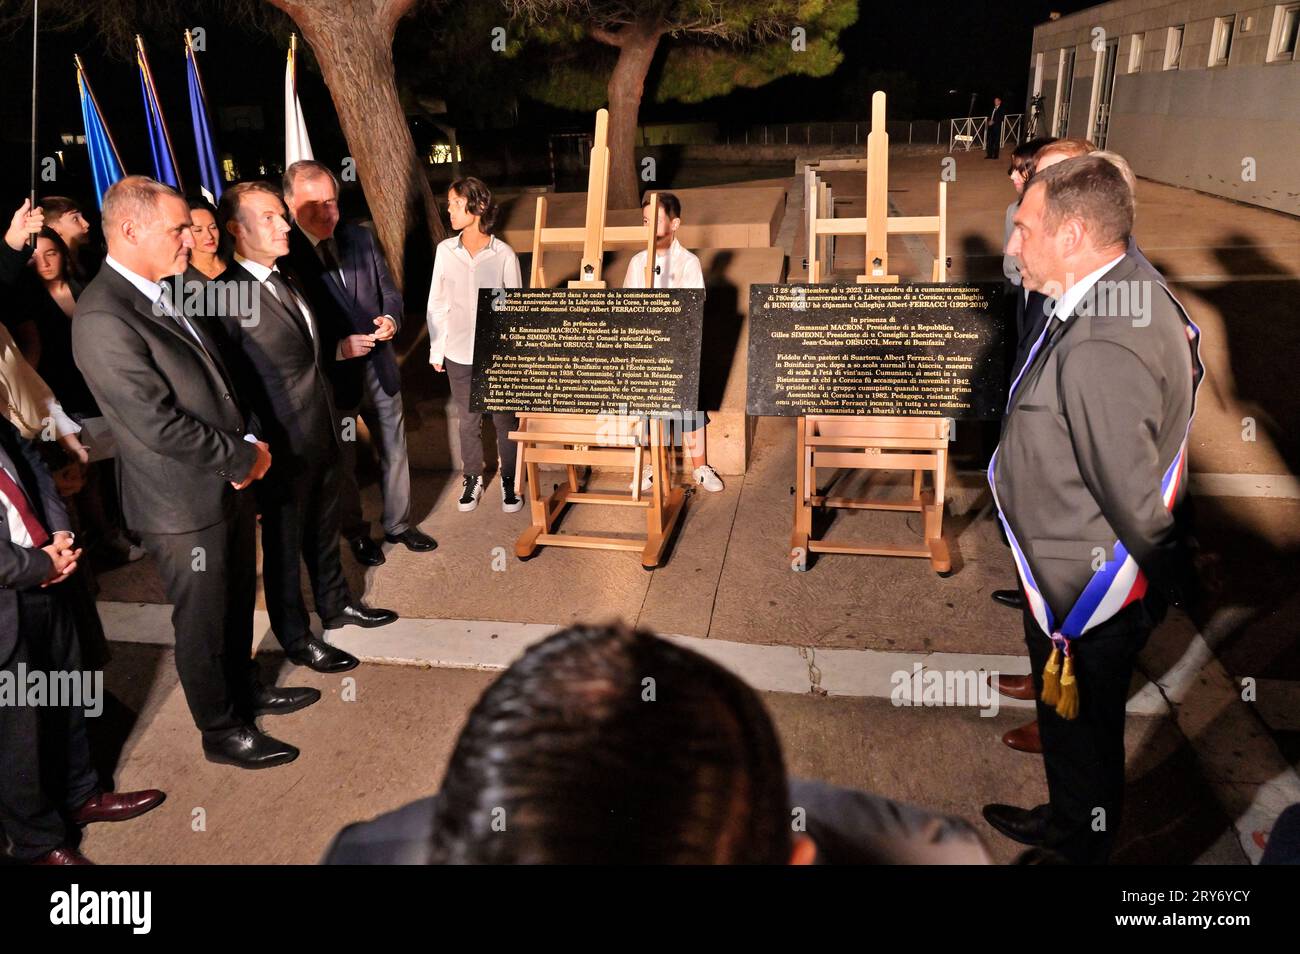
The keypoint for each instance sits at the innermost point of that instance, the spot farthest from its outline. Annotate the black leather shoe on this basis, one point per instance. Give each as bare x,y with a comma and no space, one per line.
322,657
1013,598
248,748
366,551
1027,826
277,700
355,614
413,539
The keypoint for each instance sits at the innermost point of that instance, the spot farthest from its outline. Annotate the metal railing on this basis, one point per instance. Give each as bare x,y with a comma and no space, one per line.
916,132
968,132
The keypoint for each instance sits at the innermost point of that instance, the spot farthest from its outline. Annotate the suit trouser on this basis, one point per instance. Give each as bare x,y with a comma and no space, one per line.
384,418
300,524
1084,757
210,577
45,762
471,425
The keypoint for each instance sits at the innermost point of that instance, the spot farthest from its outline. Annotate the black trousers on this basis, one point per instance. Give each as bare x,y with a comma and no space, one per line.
45,766
993,141
210,576
1084,757
300,524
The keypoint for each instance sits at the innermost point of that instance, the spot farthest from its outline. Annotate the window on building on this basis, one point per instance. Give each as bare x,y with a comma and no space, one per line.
1135,53
1173,47
1286,23
1221,42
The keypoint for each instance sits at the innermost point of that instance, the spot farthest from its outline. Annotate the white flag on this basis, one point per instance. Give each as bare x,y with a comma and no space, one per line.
297,145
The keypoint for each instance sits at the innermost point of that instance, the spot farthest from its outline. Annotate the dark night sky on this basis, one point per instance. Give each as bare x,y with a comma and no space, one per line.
980,47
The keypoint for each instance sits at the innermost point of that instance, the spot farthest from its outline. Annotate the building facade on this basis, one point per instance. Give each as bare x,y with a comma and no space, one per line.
1197,93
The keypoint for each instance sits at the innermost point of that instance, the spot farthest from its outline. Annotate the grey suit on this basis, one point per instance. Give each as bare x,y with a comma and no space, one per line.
1097,418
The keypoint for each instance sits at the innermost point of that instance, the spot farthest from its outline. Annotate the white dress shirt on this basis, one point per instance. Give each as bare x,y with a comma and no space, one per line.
154,292
453,294
675,267
1070,299
262,273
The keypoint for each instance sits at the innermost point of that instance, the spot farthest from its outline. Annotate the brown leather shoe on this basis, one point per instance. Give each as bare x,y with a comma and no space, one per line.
1016,687
1025,739
63,856
117,806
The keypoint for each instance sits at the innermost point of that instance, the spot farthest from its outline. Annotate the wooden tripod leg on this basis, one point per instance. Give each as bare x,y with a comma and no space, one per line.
538,507
940,559
802,509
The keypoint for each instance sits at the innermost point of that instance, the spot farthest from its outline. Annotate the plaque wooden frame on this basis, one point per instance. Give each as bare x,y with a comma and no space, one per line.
588,440
858,442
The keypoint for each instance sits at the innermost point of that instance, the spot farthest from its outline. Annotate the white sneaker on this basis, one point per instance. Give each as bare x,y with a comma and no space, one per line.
510,501
469,496
647,480
707,477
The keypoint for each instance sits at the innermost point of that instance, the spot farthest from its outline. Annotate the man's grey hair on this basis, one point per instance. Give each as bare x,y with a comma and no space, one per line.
307,169
1120,163
1089,188
135,199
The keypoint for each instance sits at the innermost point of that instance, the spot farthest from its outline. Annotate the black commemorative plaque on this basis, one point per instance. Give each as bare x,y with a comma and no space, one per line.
907,350
587,350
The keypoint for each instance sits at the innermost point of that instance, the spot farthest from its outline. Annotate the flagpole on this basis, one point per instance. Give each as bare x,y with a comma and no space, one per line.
36,16
90,91
144,59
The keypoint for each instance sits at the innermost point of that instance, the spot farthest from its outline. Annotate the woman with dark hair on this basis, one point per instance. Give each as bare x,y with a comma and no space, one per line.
209,255
1021,168
468,261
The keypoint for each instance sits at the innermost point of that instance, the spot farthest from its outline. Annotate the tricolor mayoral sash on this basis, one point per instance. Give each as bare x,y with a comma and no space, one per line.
1120,581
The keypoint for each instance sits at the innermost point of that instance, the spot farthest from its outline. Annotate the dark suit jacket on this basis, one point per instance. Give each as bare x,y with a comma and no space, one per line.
848,826
370,292
22,568
277,367
1096,420
177,420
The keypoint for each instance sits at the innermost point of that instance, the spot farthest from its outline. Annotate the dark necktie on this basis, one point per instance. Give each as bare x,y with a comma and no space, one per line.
18,500
329,254
288,299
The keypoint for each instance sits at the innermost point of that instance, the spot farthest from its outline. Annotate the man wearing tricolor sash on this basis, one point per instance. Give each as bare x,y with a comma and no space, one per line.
1086,477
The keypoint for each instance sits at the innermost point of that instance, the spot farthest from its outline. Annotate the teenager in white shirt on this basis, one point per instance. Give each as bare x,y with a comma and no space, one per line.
675,267
462,265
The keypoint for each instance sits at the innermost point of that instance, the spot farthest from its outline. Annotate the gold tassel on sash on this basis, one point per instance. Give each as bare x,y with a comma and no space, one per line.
1052,678
1068,706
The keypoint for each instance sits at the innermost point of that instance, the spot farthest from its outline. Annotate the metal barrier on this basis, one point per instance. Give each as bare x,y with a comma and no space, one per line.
966,132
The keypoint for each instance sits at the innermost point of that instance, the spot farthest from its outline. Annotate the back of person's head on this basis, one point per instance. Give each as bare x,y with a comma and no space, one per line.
133,198
669,202
1091,189
232,200
1061,149
611,746
56,207
1025,155
1120,163
478,201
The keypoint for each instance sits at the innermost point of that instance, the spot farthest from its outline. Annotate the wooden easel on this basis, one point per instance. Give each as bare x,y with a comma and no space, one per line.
863,442
589,440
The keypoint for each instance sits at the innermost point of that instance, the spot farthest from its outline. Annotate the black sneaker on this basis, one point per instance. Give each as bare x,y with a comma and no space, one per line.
469,497
510,502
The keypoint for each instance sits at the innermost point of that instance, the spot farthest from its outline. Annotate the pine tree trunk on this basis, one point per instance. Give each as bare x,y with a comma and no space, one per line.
355,50
636,51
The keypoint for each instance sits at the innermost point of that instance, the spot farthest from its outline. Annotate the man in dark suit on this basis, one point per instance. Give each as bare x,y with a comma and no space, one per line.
993,138
349,288
43,746
185,456
274,351
1087,478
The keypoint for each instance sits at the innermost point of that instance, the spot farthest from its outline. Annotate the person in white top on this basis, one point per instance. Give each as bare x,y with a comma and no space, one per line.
463,264
675,267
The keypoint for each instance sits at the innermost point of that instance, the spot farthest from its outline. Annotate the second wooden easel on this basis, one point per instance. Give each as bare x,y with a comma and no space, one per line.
868,442
587,440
